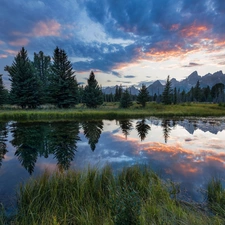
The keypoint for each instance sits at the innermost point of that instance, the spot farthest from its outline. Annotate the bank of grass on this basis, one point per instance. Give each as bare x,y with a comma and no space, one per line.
112,111
135,196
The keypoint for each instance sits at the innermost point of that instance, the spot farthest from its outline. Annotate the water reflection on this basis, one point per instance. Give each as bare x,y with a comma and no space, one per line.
126,126
63,139
92,131
3,139
142,129
188,150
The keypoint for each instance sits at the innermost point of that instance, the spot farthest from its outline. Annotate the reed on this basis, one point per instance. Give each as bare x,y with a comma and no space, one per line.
135,195
216,196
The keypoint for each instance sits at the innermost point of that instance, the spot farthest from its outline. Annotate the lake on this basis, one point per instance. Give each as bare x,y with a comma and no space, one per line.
189,151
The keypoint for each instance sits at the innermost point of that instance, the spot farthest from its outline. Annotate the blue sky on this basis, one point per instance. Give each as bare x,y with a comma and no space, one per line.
124,42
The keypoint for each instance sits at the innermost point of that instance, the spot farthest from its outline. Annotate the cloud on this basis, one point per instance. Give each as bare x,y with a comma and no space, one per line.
117,34
116,74
191,64
129,76
19,42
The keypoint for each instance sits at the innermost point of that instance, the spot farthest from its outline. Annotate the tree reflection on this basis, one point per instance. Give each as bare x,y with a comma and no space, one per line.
92,131
142,129
3,139
63,142
166,129
28,141
126,126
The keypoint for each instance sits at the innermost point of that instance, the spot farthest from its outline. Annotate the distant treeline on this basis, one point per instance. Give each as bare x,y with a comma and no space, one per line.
46,81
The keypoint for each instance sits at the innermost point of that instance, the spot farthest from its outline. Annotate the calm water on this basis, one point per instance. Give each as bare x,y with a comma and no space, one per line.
188,151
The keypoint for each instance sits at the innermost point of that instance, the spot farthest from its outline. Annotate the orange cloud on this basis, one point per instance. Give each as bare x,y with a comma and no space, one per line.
11,52
193,31
19,42
48,28
3,56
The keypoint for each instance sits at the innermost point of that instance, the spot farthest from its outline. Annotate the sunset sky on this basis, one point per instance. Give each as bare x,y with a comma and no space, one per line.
124,42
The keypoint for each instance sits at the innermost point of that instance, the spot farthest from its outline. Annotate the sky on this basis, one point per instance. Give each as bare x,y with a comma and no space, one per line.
124,42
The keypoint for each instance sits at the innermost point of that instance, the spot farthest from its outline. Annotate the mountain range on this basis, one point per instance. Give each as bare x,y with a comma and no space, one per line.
186,84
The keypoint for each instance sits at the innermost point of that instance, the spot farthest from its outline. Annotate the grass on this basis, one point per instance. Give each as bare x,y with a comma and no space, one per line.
134,196
216,196
112,111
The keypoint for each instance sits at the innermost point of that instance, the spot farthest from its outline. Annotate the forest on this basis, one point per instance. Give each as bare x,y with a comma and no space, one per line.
47,80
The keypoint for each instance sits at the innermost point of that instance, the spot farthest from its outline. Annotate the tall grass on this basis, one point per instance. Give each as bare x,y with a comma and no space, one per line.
112,111
135,195
216,196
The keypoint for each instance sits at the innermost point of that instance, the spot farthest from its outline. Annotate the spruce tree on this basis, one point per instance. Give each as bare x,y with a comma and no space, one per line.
42,65
3,95
93,95
125,100
143,96
63,84
167,93
25,87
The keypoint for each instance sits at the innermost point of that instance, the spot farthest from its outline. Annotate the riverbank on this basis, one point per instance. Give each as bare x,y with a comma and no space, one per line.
135,195
112,111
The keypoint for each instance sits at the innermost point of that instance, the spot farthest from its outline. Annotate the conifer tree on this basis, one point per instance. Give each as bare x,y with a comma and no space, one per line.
2,92
25,87
93,95
63,84
125,100
143,96
42,65
167,93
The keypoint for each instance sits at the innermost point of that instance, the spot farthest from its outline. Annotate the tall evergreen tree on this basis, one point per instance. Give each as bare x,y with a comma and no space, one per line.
125,100
42,65
143,96
197,92
167,93
118,93
63,84
3,95
25,88
93,95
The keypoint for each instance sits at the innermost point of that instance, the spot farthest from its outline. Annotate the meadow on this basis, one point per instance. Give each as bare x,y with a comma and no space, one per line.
112,111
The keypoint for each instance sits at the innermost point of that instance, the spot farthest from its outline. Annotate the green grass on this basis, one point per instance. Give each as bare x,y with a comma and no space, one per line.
216,196
134,196
112,111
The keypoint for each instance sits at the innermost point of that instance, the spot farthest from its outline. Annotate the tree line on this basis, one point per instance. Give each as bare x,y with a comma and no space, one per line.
47,80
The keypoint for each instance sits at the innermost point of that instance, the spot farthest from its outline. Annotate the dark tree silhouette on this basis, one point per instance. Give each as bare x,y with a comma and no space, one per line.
25,85
92,131
63,84
126,126
142,129
143,96
126,101
92,95
28,141
167,93
166,129
63,140
3,139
